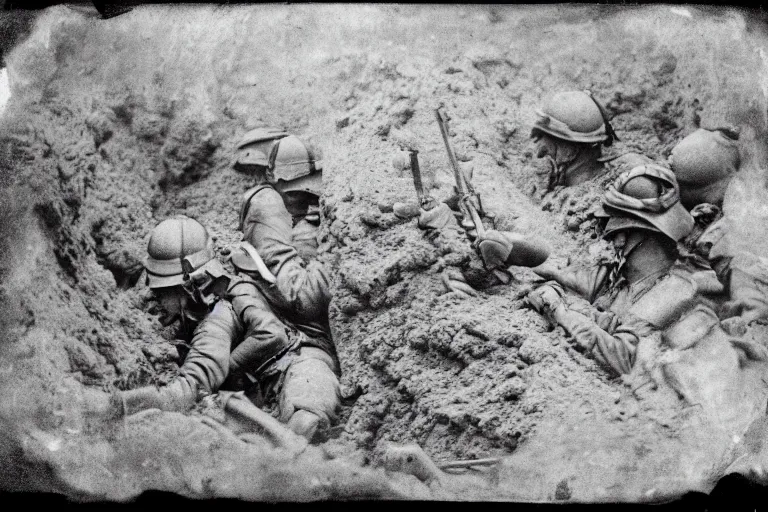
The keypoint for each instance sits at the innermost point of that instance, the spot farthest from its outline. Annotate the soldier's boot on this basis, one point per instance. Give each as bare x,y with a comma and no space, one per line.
304,423
178,396
501,249
310,396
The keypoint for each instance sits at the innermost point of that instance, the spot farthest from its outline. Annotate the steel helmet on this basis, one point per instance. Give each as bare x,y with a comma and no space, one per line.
261,138
574,116
294,166
704,162
647,197
255,146
175,243
250,156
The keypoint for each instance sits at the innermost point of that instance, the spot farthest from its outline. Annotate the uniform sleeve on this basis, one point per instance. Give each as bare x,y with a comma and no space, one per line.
586,282
748,287
264,334
267,226
207,363
615,350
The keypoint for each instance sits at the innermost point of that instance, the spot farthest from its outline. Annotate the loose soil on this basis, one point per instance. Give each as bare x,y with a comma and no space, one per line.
114,125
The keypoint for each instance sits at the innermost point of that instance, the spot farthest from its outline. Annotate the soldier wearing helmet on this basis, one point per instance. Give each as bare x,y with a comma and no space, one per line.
296,173
642,290
229,326
570,131
637,292
279,218
704,163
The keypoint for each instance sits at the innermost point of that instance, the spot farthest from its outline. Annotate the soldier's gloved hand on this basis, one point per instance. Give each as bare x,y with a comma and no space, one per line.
545,299
454,281
439,217
705,213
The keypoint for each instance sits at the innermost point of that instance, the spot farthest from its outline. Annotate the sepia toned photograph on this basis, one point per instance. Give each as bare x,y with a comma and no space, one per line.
383,252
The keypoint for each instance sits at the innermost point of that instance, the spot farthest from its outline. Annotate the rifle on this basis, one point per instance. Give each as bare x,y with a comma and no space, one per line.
468,209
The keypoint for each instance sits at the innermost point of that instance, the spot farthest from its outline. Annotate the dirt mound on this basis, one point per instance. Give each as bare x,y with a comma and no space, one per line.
113,125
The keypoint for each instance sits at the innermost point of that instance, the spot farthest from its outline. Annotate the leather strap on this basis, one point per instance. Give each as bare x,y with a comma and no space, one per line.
247,202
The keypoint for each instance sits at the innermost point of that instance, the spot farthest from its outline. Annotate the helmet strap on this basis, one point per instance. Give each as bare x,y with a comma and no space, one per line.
610,133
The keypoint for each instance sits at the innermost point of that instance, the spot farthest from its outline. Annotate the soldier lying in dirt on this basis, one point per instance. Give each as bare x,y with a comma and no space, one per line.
641,291
229,327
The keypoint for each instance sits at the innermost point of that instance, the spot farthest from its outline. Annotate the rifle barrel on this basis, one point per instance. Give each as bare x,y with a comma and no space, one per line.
460,182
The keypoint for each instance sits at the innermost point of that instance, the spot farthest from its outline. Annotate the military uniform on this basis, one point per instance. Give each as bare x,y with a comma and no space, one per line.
743,274
234,330
237,336
704,163
619,313
614,317
306,377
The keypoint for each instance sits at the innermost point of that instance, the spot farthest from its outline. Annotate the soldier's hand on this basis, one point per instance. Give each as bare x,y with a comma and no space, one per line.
455,282
439,217
545,299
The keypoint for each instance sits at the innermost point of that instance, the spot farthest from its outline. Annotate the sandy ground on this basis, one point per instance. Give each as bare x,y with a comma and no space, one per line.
117,124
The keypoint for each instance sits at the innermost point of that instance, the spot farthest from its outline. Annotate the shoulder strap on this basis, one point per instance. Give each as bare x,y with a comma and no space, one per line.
247,202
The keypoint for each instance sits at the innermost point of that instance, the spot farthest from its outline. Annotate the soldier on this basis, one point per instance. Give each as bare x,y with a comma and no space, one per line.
570,132
743,274
306,377
642,291
297,175
639,292
228,324
704,163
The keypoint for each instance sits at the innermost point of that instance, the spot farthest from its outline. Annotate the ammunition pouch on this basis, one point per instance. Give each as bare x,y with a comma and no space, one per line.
666,301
